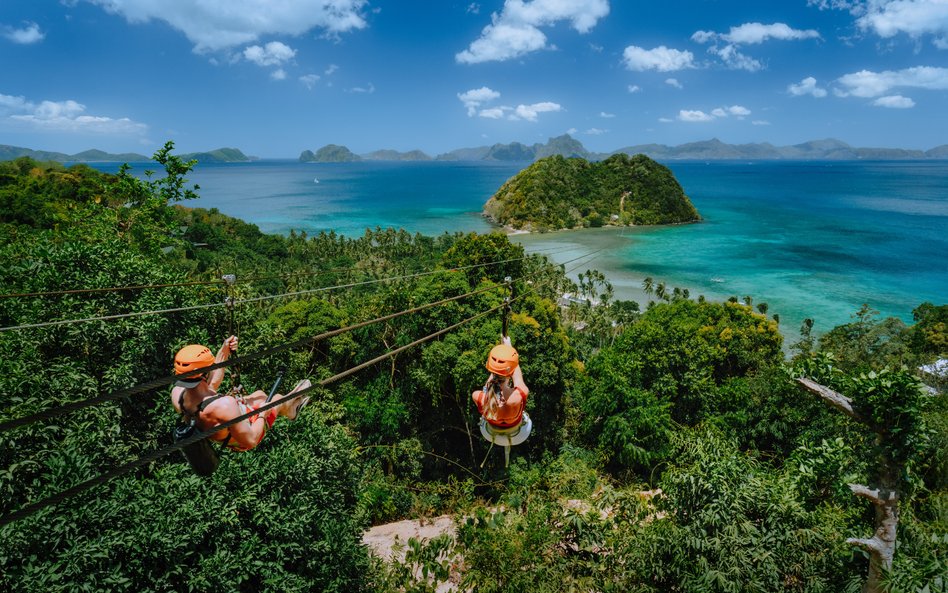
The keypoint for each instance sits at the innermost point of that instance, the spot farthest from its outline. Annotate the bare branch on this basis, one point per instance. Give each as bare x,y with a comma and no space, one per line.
871,545
878,496
833,398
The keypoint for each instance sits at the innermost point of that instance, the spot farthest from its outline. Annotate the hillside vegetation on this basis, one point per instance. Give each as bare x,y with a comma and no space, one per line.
672,450
559,193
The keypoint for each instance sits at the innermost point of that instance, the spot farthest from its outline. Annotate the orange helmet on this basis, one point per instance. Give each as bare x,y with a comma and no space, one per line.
502,360
191,358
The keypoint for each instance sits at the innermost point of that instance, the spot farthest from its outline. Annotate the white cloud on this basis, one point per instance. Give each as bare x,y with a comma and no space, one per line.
474,98
737,111
530,112
492,113
758,33
728,50
760,122
888,18
271,54
894,102
734,59
868,84
278,74
309,80
29,34
633,88
571,131
661,59
674,82
807,86
694,116
367,90
515,31
218,24
912,17
595,132
665,120
331,69
473,8
605,115
64,116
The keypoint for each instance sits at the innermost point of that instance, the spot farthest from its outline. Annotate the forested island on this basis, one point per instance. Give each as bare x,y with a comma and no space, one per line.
563,193
675,446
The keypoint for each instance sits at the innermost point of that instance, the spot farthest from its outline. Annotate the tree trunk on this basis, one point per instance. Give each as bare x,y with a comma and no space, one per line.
885,499
881,546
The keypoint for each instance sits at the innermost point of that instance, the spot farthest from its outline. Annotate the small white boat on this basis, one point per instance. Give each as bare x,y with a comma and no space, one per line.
315,180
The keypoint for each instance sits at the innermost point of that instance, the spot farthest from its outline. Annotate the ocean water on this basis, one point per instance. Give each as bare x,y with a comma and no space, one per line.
812,239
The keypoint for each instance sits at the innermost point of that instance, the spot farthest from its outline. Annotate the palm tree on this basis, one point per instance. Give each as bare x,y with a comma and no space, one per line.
762,307
660,291
648,285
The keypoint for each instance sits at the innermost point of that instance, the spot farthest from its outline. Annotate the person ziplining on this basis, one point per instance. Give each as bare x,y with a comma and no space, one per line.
195,398
503,400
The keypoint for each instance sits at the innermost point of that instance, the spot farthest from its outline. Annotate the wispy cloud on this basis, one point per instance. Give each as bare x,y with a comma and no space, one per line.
868,84
278,74
309,80
530,112
367,90
694,115
475,101
760,122
894,102
30,33
274,53
474,98
633,88
726,46
64,116
595,132
515,30
697,115
673,82
605,115
219,24
807,86
660,59
888,18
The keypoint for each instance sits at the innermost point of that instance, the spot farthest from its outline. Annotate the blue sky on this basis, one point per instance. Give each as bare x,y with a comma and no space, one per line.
276,77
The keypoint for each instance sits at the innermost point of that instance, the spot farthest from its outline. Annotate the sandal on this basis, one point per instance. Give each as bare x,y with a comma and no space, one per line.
302,401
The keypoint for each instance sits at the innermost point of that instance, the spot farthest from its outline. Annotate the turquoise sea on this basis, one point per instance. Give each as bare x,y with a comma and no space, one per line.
812,239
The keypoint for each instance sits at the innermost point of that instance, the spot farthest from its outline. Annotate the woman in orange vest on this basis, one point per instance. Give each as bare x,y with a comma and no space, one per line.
197,397
504,397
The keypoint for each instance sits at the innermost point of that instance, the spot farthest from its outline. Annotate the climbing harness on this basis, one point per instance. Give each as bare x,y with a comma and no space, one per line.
200,454
501,362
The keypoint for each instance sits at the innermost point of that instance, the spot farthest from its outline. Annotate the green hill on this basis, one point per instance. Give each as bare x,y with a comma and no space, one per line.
559,193
221,155
9,153
331,153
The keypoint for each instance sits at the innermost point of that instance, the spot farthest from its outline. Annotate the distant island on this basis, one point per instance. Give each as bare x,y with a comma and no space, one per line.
714,149
828,149
563,193
331,153
9,153
221,155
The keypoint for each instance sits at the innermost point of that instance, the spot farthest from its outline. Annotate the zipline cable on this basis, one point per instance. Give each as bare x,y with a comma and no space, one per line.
545,251
199,435
256,299
160,382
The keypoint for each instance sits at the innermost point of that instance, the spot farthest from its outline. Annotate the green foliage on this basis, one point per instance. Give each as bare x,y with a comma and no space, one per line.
556,193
